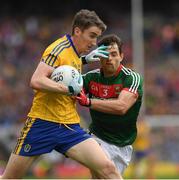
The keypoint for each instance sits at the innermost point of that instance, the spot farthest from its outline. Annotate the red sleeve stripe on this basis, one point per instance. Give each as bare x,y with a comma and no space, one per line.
127,89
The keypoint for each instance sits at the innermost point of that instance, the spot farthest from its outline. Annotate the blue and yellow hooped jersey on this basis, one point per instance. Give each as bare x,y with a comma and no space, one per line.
53,106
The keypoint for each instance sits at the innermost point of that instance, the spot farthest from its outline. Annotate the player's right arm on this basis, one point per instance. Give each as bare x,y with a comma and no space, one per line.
41,80
50,60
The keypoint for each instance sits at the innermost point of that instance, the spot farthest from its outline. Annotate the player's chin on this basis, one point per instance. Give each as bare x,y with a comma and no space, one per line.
87,49
110,69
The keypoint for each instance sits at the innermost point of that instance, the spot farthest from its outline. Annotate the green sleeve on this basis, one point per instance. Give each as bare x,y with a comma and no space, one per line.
86,81
134,83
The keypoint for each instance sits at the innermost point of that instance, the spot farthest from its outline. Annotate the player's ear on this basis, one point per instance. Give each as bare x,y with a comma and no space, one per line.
77,31
122,56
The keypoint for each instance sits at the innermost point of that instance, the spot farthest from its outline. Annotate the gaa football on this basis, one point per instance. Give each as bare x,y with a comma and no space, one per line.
64,74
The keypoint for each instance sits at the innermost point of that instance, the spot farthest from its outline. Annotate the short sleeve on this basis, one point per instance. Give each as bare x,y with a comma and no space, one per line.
133,83
50,58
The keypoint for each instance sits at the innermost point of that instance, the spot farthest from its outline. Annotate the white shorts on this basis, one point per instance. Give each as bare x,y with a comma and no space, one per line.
121,156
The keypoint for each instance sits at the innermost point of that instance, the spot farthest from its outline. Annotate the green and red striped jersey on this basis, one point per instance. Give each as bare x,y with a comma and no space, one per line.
120,130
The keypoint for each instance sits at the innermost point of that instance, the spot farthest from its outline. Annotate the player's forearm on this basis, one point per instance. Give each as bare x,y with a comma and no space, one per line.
109,106
46,84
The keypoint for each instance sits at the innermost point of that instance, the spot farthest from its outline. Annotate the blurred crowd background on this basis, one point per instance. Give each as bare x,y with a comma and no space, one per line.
27,28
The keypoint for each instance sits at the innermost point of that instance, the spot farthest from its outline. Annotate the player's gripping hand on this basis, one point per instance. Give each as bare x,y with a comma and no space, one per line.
96,54
83,99
75,86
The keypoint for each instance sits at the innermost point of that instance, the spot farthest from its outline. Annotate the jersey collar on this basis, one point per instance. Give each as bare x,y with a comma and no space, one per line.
69,38
117,72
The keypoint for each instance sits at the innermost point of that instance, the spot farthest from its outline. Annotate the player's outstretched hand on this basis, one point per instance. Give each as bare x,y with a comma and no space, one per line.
96,54
83,99
75,86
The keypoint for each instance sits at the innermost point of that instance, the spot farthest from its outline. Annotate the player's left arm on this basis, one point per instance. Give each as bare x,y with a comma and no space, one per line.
132,90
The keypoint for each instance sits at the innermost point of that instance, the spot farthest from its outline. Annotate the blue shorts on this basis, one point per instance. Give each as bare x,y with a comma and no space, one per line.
41,136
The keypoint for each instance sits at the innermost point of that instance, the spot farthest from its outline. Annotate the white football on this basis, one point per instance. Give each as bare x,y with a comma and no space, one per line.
64,74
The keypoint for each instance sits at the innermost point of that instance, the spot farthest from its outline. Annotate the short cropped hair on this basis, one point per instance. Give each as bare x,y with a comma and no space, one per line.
84,19
111,39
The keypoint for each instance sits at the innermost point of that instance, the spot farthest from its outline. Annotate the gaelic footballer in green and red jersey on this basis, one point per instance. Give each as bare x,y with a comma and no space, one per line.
120,130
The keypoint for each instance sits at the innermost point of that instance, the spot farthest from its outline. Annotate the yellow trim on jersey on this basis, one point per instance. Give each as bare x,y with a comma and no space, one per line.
24,132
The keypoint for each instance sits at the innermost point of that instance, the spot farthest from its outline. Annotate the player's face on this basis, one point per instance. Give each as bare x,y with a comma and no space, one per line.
87,38
111,64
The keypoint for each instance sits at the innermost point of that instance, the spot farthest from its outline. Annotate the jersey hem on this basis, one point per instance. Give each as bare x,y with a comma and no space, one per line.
54,120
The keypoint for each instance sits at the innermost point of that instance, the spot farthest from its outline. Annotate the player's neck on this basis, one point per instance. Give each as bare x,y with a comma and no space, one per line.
108,74
75,43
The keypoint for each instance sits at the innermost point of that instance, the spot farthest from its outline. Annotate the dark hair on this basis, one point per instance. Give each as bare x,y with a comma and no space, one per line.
111,39
85,19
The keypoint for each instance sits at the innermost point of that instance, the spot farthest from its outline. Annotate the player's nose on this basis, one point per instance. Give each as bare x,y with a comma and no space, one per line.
94,42
109,57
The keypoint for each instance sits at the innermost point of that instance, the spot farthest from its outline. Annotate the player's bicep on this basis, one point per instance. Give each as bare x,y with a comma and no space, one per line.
42,70
128,99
